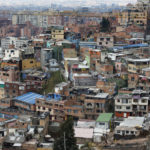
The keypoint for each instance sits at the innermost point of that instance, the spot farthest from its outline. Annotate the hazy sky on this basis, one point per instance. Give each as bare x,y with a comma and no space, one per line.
64,2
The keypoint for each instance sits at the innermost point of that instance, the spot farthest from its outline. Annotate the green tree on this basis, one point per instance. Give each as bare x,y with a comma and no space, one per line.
56,77
66,139
105,25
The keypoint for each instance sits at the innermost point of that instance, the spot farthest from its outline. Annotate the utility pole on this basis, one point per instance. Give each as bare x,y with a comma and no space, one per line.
64,141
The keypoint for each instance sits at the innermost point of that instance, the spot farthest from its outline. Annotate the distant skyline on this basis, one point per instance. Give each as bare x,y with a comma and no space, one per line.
64,2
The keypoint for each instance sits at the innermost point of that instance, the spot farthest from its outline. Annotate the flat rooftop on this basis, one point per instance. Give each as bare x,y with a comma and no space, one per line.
29,97
138,60
133,122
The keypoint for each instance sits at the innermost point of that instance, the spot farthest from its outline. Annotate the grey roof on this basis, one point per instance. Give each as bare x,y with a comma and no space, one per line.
133,122
124,96
15,139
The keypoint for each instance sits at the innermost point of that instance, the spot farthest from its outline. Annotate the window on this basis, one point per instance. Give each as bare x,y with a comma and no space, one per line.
68,110
125,101
102,123
128,107
127,132
98,111
142,107
132,78
135,100
31,62
118,107
56,105
118,131
132,132
144,101
97,105
89,105
43,108
39,107
75,111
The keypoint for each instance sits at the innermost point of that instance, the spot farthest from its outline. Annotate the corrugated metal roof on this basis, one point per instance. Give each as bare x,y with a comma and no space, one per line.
29,97
104,117
133,122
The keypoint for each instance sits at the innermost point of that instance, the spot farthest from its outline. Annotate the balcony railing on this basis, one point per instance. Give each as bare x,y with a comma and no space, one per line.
136,97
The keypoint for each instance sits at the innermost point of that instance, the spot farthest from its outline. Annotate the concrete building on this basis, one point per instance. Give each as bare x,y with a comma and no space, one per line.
57,32
52,104
104,121
94,105
137,16
105,40
30,63
9,74
12,54
17,42
132,105
128,128
135,65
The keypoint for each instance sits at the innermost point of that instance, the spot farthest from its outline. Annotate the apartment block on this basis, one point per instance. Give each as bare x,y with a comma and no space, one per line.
94,105
135,104
135,65
9,74
57,32
105,40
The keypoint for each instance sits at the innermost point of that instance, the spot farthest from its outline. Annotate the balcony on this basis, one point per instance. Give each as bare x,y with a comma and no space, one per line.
136,97
135,109
135,101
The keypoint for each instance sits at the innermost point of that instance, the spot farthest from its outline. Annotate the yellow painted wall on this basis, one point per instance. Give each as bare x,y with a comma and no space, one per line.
30,63
133,68
135,17
57,34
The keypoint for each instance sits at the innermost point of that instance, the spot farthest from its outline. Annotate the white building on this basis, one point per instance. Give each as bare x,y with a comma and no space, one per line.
131,126
17,42
12,54
130,105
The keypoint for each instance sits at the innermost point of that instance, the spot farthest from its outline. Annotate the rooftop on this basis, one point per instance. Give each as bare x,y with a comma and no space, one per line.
86,124
146,69
86,133
133,122
102,95
139,60
124,96
29,97
104,117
